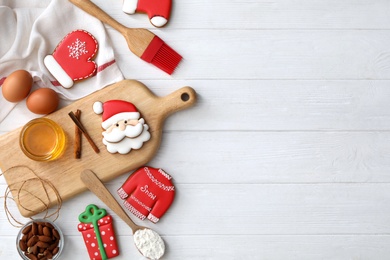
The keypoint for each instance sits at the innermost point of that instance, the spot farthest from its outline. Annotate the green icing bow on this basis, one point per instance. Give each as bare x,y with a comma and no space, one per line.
93,214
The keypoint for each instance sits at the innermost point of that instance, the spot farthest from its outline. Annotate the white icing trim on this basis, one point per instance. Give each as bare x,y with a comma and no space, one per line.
166,175
134,210
97,107
158,21
140,203
157,182
127,144
57,71
118,117
129,6
153,218
122,193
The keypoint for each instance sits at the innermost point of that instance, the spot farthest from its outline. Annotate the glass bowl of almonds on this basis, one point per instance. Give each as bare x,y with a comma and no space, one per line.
40,239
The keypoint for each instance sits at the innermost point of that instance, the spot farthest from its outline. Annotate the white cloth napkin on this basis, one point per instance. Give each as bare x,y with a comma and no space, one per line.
29,31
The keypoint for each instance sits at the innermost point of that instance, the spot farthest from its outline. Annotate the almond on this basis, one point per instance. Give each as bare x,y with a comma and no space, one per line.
56,234
32,241
44,239
22,245
31,256
35,229
48,254
55,250
46,231
42,244
24,238
34,250
54,245
40,230
47,224
27,229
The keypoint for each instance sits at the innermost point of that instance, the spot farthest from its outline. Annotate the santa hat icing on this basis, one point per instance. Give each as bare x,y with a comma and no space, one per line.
114,111
72,58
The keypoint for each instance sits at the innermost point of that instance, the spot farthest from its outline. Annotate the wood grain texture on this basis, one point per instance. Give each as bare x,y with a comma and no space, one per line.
64,173
285,155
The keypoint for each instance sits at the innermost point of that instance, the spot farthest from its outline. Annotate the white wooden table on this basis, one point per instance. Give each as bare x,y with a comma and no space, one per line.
286,154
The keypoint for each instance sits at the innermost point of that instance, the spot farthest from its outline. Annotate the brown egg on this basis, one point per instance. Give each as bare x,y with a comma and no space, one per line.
17,86
42,101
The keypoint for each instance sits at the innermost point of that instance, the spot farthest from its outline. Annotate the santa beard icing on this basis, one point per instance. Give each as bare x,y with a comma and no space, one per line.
118,140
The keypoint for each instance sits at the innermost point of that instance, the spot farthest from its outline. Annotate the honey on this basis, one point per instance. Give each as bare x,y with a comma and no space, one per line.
42,140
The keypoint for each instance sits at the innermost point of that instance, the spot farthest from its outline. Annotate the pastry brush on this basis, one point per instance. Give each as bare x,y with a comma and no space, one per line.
141,42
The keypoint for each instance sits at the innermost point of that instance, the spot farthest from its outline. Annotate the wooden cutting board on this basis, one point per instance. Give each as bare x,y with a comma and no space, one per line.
64,172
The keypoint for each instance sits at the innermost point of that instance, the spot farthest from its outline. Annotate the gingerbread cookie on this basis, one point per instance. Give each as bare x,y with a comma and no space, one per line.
124,129
98,233
72,58
158,11
148,192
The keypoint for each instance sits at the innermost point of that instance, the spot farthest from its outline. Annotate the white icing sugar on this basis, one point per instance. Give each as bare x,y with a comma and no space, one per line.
127,144
149,243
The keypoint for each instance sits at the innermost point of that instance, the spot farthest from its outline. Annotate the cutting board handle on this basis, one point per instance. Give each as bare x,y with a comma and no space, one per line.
180,99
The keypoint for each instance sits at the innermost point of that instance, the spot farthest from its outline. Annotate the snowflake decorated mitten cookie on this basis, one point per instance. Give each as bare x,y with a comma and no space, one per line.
97,229
158,11
72,58
148,193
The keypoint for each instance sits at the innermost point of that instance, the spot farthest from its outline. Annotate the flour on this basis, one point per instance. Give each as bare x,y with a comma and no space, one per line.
149,243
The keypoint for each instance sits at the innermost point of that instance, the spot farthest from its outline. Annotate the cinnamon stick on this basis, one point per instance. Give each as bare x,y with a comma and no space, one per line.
84,131
77,137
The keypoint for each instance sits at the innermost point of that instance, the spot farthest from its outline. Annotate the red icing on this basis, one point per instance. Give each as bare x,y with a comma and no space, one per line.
155,8
75,53
113,107
108,236
148,192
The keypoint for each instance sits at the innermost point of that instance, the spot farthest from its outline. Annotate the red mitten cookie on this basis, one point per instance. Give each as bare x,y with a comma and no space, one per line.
72,58
148,192
98,233
158,11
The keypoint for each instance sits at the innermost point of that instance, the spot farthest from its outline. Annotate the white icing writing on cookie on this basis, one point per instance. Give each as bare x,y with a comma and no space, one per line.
147,192
149,243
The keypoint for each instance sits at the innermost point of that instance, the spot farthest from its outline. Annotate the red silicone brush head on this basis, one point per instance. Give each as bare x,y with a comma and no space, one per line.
161,55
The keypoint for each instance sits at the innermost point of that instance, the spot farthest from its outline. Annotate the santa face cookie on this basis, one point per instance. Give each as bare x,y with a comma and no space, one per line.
72,59
158,11
124,129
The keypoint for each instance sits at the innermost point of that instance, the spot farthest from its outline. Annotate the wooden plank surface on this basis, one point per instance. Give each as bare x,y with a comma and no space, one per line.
285,155
271,54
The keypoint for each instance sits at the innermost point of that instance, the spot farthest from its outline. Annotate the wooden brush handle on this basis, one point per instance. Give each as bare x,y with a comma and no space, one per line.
93,183
94,10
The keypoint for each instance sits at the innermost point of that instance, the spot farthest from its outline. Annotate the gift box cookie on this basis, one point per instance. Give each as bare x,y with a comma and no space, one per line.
98,233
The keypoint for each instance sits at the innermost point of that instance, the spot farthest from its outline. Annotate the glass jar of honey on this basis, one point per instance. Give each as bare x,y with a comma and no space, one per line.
42,139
